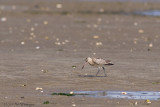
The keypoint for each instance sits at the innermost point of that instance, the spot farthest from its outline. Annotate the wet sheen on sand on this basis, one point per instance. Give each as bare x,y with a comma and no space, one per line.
140,95
149,13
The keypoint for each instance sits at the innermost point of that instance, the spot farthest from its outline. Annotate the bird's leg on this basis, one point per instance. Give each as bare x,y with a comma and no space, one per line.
98,71
84,65
104,72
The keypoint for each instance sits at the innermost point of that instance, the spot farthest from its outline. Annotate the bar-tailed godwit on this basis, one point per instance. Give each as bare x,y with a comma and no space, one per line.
97,62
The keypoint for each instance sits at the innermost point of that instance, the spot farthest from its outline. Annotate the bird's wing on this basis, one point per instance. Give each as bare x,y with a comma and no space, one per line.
99,61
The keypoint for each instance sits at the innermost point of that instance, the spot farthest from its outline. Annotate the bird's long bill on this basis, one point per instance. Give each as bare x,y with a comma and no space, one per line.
84,65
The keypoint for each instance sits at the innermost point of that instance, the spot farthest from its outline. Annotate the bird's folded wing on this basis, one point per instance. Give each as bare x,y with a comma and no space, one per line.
99,61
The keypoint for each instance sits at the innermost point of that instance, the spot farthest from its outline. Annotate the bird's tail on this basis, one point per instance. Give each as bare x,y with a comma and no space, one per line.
108,62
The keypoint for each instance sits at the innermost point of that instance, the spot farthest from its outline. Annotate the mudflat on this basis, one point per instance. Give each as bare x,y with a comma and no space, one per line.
43,45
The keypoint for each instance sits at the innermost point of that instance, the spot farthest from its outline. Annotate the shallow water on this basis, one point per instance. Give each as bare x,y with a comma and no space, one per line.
149,13
139,95
120,0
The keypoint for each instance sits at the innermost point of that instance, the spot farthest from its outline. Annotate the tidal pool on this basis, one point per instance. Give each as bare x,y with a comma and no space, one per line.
149,13
140,95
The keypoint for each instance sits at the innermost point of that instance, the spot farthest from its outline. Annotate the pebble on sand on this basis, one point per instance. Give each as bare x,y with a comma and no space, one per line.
37,47
94,53
46,37
150,45
23,85
73,105
101,10
96,37
99,43
58,43
38,88
99,19
141,31
3,19
44,71
66,40
32,28
71,92
45,22
124,93
135,23
58,6
23,43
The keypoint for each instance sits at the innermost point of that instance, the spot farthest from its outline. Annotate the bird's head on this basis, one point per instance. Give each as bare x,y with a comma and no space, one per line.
86,61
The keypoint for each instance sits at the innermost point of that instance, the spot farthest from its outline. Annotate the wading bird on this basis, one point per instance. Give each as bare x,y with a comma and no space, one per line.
98,62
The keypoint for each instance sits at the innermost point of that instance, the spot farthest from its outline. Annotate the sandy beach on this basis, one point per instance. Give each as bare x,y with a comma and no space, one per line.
43,45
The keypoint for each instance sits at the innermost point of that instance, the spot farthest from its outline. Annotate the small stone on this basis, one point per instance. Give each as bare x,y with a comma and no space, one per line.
99,43
99,19
63,43
141,31
135,42
124,93
32,29
45,22
44,71
101,10
32,34
37,47
46,37
38,88
3,19
57,39
58,6
57,43
150,45
71,92
23,85
66,40
73,105
135,23
96,37
22,43
95,26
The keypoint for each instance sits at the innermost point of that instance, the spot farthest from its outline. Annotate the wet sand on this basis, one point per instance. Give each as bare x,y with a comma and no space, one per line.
40,43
